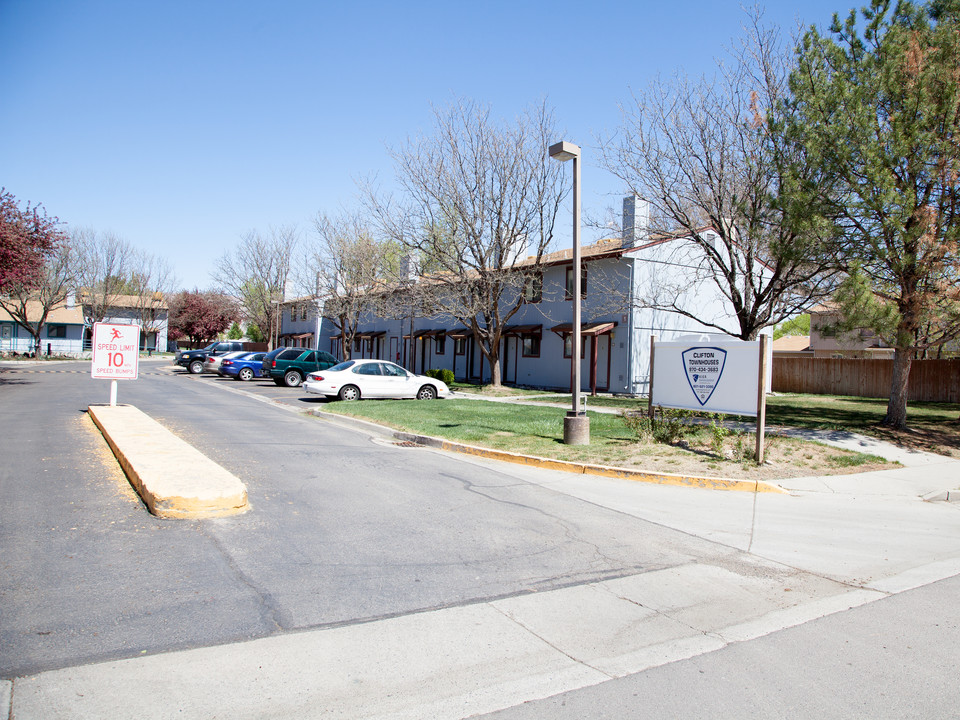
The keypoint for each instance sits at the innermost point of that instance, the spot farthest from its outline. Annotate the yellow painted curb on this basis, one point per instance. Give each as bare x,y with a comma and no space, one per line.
707,483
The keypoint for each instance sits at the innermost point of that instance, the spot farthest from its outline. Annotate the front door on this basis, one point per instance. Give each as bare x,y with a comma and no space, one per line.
603,362
510,354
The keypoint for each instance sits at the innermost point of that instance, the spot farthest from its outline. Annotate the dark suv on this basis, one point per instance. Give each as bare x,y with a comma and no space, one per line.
193,359
289,366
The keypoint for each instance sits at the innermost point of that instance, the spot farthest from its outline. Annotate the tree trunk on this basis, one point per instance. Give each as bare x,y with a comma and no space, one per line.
897,407
493,357
495,379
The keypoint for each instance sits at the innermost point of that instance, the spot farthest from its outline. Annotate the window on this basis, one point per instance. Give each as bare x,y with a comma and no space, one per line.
303,311
568,346
533,288
56,331
441,343
310,357
291,354
531,346
368,369
459,346
569,282
356,344
293,313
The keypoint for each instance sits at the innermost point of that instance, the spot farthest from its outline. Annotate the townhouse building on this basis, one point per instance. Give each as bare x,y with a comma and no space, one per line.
619,277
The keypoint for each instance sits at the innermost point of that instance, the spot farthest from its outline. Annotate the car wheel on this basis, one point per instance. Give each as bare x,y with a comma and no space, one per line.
292,379
196,367
245,374
349,392
427,392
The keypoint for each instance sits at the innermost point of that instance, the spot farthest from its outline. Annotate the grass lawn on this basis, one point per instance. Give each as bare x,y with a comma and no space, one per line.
934,427
536,430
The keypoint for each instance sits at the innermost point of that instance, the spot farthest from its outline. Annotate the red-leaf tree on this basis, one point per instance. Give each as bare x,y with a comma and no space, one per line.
201,315
28,236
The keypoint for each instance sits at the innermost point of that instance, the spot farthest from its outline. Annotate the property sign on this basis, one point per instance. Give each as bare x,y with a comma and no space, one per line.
116,351
704,368
707,374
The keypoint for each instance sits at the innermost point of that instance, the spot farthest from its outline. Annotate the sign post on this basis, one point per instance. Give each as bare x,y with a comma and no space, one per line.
116,354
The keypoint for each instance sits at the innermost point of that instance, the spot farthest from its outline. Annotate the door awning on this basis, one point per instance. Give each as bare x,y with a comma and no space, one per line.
523,330
422,333
598,328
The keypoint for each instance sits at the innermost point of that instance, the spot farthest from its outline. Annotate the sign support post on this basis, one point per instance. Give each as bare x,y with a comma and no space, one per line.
653,345
762,397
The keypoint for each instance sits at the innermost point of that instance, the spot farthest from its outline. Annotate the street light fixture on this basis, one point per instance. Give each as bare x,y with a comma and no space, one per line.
576,425
276,323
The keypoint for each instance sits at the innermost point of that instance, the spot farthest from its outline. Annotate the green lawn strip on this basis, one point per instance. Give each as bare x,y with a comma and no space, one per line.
523,429
503,391
534,430
822,412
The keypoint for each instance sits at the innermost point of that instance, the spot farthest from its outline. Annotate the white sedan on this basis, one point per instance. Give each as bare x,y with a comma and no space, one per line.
355,379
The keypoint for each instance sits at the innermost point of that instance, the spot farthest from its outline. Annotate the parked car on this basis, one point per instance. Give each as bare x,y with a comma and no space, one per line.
355,379
212,363
289,366
243,367
193,359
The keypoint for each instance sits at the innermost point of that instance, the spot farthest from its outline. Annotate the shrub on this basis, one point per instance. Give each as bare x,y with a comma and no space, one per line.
444,375
667,425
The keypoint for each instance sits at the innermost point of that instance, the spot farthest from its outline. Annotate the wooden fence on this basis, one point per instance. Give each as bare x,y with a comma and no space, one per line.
930,380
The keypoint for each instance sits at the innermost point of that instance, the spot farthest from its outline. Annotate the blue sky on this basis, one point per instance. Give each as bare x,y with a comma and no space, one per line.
181,125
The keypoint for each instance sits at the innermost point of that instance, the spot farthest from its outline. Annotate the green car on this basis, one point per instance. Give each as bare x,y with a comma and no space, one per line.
289,366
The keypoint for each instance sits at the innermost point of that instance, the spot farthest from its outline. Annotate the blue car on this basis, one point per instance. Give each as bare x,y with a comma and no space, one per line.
243,367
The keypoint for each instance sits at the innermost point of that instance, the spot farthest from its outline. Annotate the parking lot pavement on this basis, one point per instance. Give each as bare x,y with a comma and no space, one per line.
746,565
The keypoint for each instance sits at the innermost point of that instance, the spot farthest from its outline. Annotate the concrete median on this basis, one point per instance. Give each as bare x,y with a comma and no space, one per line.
174,479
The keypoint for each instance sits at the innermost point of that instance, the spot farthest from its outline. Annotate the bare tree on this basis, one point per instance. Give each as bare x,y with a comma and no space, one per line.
30,303
477,196
151,283
257,272
102,265
345,269
702,154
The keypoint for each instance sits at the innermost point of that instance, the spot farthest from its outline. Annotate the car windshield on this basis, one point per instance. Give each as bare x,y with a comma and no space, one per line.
342,366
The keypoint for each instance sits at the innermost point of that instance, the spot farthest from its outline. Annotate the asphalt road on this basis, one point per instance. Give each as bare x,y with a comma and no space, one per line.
343,528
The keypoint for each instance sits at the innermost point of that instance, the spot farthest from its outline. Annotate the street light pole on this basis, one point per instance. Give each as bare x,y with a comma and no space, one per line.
576,426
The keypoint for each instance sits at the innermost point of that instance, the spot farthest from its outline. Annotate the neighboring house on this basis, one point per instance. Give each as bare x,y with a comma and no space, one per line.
827,342
150,313
300,323
615,328
62,334
792,346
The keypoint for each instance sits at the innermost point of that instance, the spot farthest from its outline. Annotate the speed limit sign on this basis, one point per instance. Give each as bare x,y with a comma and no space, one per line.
116,351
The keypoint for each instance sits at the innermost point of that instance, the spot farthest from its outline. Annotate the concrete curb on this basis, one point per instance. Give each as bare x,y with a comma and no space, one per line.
707,483
950,496
174,479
